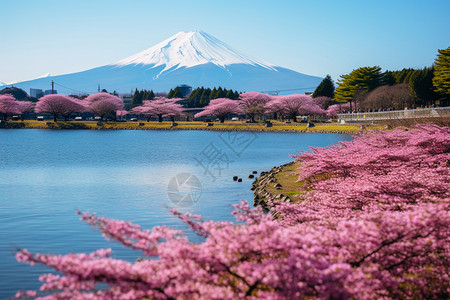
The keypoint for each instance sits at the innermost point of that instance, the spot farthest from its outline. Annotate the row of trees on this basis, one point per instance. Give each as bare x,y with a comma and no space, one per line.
253,104
140,96
369,87
101,104
9,105
200,97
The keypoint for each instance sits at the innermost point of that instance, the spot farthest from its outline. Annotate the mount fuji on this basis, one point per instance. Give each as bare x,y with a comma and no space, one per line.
193,58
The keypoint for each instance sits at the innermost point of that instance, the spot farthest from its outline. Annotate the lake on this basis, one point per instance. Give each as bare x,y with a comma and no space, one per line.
46,175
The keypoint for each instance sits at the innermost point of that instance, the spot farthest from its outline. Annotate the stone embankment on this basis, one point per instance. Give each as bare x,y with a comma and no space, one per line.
260,188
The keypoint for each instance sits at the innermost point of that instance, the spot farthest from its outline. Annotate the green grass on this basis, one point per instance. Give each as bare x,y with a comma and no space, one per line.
288,179
230,125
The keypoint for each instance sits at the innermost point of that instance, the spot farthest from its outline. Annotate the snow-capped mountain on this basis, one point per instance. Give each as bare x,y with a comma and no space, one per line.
194,58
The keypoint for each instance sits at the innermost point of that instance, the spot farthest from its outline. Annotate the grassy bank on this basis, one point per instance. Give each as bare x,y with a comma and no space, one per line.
231,126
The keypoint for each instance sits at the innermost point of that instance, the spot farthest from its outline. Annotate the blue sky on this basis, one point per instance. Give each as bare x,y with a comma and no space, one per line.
313,37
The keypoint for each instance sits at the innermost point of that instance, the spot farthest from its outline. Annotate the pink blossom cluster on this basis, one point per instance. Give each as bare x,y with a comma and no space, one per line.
291,106
103,104
9,105
221,108
389,244
160,107
59,105
335,109
254,103
389,170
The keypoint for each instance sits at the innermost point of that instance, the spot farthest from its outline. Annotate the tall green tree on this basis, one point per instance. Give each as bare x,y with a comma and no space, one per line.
325,88
176,94
220,93
205,97
441,80
421,86
212,94
230,95
137,99
365,79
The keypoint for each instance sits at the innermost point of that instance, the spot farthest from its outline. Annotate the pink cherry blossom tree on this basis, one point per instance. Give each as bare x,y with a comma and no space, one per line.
323,102
253,103
335,109
221,108
291,106
160,107
25,106
59,105
103,104
9,105
122,113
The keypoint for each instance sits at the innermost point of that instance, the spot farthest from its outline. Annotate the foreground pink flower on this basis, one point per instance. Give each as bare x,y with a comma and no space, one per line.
336,242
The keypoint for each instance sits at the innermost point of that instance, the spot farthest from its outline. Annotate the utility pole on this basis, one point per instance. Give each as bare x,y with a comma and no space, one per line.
99,87
53,87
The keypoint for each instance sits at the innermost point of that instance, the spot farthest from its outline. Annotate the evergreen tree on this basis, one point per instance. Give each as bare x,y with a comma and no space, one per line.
325,88
137,99
400,76
170,95
176,93
441,80
364,79
220,93
236,95
230,95
204,99
389,78
212,94
421,86
151,95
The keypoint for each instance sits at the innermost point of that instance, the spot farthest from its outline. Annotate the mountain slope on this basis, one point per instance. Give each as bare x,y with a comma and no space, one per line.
193,58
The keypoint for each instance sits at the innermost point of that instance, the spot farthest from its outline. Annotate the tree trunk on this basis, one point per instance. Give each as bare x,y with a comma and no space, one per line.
222,119
54,117
160,118
172,118
148,119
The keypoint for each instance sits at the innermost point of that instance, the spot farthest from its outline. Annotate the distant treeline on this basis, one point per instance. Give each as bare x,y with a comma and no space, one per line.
200,97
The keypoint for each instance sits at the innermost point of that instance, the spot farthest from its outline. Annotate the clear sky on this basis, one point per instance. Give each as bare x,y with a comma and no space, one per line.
313,37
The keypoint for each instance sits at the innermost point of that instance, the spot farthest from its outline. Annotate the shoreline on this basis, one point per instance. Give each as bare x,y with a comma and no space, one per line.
279,183
279,127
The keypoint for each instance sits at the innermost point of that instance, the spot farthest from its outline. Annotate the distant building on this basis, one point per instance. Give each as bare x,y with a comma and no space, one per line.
36,93
185,90
49,92
127,101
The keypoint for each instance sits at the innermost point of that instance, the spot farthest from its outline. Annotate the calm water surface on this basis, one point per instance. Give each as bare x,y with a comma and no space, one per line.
46,175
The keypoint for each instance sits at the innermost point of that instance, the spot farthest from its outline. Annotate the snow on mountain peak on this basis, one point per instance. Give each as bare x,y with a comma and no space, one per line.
189,49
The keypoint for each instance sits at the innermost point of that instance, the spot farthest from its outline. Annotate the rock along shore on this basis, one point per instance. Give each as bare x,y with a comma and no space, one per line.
261,194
